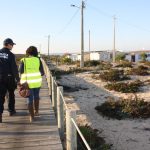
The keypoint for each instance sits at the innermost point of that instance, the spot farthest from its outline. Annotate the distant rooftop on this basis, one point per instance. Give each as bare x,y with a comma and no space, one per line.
139,51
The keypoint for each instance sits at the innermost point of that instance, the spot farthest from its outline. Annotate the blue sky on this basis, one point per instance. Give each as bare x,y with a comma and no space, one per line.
29,22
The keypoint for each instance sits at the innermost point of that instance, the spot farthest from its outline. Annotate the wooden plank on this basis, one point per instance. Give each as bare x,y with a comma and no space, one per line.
16,133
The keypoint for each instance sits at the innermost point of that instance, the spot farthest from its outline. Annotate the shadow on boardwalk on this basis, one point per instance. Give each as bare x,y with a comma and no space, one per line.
16,133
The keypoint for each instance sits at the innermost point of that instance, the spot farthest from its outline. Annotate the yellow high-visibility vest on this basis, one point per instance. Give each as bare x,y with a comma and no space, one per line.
31,73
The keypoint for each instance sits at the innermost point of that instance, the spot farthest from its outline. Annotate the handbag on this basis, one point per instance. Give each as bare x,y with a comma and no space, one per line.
24,90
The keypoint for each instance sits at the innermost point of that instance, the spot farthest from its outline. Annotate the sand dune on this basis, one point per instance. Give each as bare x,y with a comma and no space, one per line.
123,134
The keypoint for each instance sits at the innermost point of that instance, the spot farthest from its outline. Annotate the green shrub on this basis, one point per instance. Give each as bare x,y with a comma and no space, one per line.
58,73
124,64
113,75
104,66
131,87
77,63
143,67
147,63
66,60
120,56
125,108
140,70
93,139
46,57
143,56
91,63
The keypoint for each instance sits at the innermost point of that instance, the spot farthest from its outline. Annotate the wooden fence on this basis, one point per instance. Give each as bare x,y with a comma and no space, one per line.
66,118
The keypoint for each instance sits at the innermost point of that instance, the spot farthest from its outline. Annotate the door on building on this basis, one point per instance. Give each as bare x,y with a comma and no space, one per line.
132,58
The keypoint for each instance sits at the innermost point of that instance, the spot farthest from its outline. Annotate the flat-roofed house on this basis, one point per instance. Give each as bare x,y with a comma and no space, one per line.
101,55
135,56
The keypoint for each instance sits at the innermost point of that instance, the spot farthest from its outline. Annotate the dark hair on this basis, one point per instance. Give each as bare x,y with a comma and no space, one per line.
32,50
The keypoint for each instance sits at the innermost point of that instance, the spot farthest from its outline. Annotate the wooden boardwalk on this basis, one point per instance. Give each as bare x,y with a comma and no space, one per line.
16,133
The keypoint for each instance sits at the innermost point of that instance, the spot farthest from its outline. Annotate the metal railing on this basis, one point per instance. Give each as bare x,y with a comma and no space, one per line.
66,118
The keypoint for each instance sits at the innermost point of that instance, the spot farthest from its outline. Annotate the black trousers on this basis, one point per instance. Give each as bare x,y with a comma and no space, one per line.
7,84
11,100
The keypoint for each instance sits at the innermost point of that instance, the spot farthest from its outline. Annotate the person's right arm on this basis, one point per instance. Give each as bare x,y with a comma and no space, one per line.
14,69
21,68
41,68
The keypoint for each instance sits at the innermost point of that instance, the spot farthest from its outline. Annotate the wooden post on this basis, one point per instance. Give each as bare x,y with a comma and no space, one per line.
71,133
55,96
48,76
53,91
48,80
51,82
60,112
45,69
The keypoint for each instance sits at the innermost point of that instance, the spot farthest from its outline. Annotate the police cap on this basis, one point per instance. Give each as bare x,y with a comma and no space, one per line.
9,41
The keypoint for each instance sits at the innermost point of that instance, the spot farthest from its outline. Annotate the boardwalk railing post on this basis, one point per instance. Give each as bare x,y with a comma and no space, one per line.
55,96
53,91
45,70
60,112
71,133
48,81
51,78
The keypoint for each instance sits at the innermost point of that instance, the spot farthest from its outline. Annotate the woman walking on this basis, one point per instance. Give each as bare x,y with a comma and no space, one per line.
31,71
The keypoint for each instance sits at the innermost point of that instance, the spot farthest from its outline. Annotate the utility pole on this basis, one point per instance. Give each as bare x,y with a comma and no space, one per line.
48,43
89,41
89,44
114,48
82,32
82,35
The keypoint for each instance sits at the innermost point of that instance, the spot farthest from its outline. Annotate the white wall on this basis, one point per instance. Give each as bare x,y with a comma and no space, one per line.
137,57
104,56
128,57
148,56
73,57
94,56
79,57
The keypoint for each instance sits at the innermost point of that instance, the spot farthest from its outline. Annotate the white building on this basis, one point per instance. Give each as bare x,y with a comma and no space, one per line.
92,55
135,56
100,55
73,57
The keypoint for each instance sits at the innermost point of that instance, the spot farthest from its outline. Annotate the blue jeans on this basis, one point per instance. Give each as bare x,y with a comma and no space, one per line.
34,95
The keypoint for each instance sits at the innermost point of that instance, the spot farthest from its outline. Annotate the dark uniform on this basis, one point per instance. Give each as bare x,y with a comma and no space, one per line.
8,78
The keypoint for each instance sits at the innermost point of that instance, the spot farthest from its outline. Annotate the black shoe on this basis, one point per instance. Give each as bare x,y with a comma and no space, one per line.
12,113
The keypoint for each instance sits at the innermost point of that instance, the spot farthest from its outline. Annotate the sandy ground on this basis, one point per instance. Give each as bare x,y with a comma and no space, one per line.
123,134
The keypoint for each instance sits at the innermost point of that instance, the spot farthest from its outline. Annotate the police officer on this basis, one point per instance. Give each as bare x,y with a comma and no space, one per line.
8,76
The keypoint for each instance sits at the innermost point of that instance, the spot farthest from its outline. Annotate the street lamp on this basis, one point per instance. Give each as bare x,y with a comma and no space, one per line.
48,43
114,47
82,32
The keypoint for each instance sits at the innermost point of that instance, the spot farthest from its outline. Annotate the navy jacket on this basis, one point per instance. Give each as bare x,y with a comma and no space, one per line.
8,65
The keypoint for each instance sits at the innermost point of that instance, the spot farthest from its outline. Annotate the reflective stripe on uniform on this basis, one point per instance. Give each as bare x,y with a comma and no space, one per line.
30,74
31,81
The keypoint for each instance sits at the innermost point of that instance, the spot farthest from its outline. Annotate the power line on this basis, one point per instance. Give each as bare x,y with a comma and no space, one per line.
121,20
69,22
134,26
100,11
